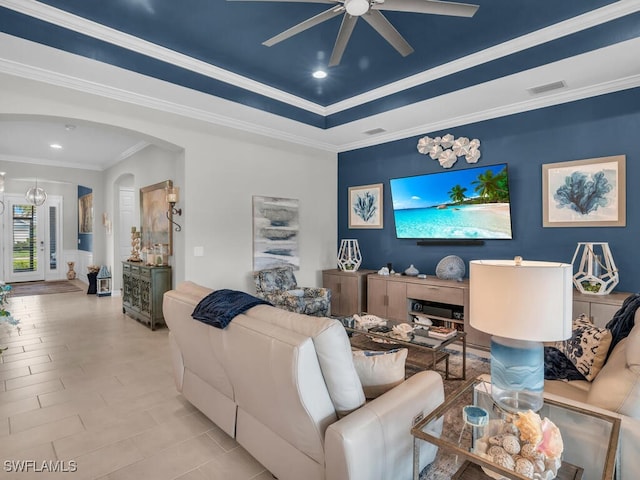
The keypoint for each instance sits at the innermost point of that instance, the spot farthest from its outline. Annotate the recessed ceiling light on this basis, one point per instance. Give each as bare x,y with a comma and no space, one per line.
319,74
56,146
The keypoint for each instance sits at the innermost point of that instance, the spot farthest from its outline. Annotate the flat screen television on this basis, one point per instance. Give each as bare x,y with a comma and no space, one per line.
468,204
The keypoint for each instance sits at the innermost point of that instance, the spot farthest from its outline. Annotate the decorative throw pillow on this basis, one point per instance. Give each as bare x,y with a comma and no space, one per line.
587,348
379,371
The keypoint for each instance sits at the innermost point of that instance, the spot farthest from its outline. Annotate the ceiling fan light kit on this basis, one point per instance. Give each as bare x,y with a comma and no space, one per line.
356,8
369,11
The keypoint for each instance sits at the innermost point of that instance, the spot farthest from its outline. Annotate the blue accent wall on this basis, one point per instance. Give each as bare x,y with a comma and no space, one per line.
85,240
597,127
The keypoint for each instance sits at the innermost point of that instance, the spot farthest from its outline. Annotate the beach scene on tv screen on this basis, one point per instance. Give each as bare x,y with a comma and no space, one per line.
469,203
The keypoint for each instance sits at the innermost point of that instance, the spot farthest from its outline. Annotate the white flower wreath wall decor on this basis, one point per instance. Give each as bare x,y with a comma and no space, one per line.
447,149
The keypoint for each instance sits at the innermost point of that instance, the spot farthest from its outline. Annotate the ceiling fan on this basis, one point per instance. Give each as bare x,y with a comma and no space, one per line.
369,11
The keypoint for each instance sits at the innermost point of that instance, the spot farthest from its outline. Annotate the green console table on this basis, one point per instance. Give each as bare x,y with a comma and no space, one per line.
143,288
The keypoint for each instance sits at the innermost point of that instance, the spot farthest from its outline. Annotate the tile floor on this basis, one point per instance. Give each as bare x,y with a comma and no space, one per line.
84,387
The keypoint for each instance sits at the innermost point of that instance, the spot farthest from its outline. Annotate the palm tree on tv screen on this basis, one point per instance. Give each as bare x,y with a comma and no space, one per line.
492,188
457,193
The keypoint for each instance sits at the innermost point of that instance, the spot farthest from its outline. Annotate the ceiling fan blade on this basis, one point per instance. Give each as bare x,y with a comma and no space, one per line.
434,7
388,32
301,27
346,29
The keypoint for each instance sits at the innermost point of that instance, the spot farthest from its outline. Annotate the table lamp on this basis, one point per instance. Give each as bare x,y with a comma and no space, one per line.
521,304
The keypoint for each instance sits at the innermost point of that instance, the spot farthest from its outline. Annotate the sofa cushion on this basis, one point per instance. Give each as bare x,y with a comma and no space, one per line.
332,347
587,348
617,387
633,347
380,371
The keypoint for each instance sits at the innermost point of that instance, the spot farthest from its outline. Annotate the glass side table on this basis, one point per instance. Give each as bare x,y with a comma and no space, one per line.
590,438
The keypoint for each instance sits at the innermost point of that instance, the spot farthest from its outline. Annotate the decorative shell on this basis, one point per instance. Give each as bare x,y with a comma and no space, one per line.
425,144
495,450
447,141
504,460
473,156
511,444
551,444
529,451
451,267
461,146
435,151
529,424
447,158
524,467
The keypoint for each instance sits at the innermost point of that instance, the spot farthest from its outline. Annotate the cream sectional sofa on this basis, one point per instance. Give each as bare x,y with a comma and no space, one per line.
285,387
615,389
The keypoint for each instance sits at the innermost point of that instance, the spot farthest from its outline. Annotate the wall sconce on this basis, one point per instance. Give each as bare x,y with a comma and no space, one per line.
173,195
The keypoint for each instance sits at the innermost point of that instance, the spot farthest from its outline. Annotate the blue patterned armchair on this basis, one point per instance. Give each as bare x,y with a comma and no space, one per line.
279,286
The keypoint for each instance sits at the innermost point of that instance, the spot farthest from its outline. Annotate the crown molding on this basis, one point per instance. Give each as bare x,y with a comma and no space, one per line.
488,114
48,163
79,84
78,24
92,29
562,29
127,153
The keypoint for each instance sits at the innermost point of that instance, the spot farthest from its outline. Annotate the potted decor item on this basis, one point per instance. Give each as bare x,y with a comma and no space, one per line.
411,271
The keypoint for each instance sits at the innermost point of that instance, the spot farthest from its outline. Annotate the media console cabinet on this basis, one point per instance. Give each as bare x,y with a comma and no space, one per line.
446,302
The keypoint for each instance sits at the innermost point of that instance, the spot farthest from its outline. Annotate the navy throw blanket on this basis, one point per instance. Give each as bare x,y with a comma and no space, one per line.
623,321
218,308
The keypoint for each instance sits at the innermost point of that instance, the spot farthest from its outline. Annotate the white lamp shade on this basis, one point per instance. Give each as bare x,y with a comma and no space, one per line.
530,301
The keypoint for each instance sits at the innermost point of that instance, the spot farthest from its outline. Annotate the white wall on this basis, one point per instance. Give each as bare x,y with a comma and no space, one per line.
219,171
148,166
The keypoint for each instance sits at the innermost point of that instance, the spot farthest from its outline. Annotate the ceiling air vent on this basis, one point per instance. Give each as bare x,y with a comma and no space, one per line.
375,131
547,88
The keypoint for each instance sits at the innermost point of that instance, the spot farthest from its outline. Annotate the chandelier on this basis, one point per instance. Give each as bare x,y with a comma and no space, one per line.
36,195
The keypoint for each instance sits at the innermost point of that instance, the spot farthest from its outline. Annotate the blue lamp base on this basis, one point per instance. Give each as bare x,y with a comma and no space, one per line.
517,374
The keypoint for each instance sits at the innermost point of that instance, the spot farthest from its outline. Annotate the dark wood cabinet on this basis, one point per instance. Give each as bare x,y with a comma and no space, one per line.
142,289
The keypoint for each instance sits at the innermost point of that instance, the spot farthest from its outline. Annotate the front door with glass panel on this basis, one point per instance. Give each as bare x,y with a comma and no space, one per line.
32,239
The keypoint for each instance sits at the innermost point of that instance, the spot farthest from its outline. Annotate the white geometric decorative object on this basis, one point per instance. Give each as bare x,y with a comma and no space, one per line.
349,256
597,273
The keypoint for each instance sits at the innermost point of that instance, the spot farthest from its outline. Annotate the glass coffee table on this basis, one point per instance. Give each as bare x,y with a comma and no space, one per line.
432,345
590,438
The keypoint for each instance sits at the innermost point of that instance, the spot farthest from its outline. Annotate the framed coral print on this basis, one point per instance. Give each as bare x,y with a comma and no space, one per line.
365,206
584,193
155,215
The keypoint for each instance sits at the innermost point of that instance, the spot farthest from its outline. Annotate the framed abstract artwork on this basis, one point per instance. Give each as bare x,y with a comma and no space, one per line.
365,206
275,232
155,215
584,193
85,213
